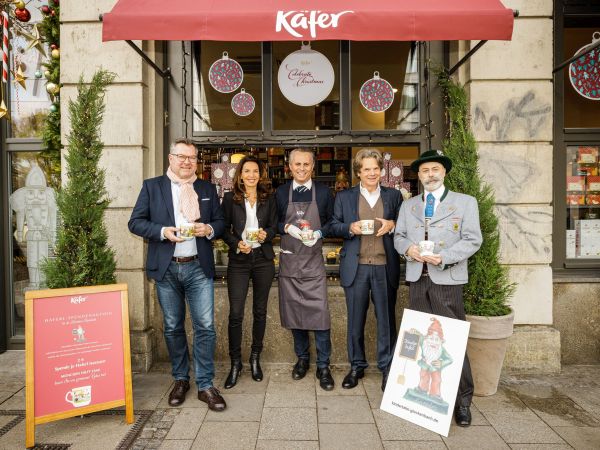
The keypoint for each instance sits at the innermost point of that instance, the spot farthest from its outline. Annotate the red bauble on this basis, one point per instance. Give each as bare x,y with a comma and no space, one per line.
53,46
52,13
45,9
23,14
56,2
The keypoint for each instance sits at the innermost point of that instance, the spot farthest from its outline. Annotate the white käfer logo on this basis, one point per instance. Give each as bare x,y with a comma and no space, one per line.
290,20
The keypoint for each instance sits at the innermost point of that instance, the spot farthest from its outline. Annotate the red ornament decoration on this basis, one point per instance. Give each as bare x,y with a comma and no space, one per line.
242,103
584,72
53,46
225,74
376,94
45,9
56,2
23,14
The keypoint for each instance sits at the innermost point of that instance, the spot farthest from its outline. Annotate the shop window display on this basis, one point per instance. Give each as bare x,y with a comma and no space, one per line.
212,109
583,202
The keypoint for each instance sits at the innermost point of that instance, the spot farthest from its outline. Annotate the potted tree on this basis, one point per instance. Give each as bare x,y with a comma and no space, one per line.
487,293
82,256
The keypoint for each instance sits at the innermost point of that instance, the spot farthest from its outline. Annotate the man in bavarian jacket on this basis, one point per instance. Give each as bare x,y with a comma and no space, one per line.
451,220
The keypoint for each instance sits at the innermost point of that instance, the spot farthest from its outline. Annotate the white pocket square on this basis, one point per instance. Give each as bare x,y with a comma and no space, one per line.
205,199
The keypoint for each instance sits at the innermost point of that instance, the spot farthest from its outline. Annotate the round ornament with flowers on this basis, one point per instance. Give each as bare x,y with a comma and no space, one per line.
376,94
242,103
584,72
225,74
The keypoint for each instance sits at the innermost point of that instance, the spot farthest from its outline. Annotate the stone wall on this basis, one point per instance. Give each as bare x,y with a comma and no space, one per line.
131,137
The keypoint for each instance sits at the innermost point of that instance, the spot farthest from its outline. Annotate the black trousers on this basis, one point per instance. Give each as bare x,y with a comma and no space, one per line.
447,301
241,269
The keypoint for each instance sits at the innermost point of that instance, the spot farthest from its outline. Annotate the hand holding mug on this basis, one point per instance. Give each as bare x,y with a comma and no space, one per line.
386,226
414,253
356,227
201,229
436,260
171,234
262,235
244,247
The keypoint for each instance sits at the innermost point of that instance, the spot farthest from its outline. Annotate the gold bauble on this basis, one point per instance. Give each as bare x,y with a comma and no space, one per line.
52,88
56,53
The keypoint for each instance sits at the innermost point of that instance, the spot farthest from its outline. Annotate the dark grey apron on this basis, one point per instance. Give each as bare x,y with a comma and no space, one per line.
302,278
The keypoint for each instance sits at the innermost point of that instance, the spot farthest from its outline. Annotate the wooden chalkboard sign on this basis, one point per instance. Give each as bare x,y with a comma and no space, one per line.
77,354
409,346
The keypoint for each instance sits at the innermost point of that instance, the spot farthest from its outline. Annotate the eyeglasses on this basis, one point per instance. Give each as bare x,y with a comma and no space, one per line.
183,158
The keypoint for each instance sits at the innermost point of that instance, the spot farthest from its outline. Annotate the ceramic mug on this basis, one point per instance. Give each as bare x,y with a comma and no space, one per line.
306,235
252,235
79,396
186,231
367,226
426,248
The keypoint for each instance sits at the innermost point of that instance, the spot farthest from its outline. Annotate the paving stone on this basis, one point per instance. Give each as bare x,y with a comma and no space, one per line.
286,445
414,445
503,400
581,438
392,428
373,392
226,435
149,388
522,428
240,408
290,394
587,398
473,438
153,443
476,417
340,409
14,401
348,436
561,411
285,376
540,447
293,424
186,424
176,444
245,384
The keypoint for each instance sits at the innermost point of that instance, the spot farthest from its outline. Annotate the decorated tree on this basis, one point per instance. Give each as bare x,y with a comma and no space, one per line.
82,255
489,287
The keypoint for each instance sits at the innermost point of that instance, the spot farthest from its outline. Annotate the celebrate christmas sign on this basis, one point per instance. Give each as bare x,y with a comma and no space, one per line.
426,369
306,77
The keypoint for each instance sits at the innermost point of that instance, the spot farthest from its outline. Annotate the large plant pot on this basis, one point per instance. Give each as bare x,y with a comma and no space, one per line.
486,348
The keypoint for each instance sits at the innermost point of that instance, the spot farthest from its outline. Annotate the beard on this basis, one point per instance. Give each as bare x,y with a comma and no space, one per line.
433,183
431,351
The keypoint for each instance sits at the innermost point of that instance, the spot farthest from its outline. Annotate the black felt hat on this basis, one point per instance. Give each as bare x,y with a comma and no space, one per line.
432,156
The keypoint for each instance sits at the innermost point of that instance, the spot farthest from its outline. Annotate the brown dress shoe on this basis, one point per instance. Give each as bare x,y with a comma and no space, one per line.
212,397
177,394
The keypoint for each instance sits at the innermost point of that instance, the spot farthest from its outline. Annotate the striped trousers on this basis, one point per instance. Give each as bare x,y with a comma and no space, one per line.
447,301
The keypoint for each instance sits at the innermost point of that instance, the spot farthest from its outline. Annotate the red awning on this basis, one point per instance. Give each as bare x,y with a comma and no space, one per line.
294,20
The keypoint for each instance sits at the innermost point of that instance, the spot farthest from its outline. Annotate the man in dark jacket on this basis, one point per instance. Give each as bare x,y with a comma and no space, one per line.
182,264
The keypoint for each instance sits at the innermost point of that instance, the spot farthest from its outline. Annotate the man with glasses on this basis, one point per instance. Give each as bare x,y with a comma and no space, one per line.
183,265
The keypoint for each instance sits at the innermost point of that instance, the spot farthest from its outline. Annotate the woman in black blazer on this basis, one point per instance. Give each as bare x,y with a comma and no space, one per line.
250,205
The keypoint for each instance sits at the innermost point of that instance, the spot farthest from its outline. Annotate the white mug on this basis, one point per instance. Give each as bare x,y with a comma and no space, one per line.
79,396
306,235
252,235
367,226
186,231
426,248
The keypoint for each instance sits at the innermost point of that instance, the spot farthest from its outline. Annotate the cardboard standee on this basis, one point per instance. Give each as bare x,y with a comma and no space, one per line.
77,354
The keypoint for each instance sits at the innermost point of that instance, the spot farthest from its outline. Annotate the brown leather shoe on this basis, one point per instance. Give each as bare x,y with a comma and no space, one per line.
177,394
212,397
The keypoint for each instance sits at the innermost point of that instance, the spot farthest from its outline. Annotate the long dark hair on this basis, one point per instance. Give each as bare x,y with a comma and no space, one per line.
263,189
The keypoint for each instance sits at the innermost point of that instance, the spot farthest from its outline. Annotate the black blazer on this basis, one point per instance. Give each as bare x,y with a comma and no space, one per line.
235,222
345,212
154,210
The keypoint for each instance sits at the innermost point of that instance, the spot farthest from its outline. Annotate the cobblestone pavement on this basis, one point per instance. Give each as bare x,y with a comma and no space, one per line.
528,412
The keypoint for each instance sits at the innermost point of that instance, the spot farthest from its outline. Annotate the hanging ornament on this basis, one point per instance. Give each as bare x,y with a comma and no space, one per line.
306,77
3,110
45,10
47,74
52,88
376,94
35,40
243,103
19,76
55,53
20,4
56,2
23,14
584,72
225,75
38,74
53,107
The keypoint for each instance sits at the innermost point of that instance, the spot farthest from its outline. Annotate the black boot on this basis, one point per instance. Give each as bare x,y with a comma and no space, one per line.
234,373
257,373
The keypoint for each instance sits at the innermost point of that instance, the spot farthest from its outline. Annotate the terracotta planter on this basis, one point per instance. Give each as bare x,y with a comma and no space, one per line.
486,348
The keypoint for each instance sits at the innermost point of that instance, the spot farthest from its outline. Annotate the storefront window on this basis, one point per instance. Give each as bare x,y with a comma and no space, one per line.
289,116
583,202
212,110
397,63
33,223
28,105
580,112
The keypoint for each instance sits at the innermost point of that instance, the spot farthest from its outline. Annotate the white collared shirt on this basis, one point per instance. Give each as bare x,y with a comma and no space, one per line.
185,248
437,195
251,220
371,197
308,184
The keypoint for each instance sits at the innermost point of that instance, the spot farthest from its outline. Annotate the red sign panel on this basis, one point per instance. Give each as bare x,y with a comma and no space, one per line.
78,351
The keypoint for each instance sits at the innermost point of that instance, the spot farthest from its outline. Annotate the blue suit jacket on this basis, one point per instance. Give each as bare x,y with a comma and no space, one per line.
154,210
345,211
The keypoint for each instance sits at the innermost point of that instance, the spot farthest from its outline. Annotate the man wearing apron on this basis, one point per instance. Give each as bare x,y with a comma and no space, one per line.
302,278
